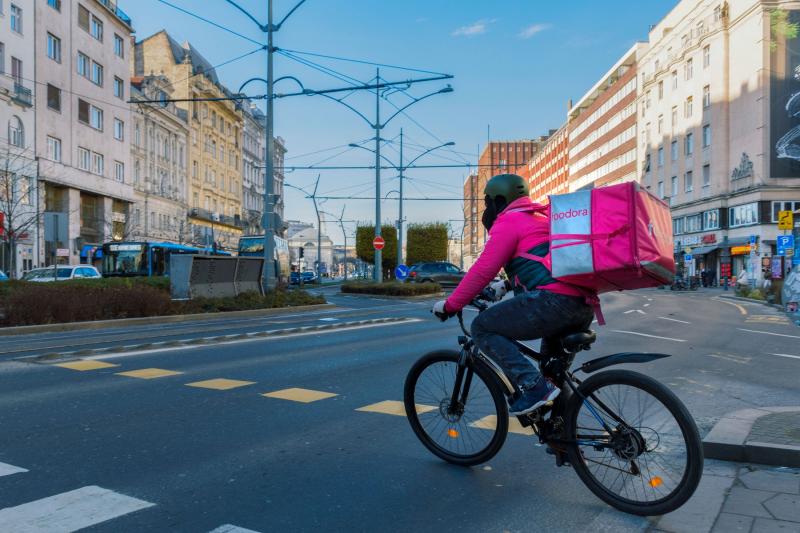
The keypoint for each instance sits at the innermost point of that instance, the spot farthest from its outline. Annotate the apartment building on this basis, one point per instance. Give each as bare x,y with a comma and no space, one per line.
18,168
278,179
472,222
548,171
82,125
215,138
253,172
602,128
159,145
718,86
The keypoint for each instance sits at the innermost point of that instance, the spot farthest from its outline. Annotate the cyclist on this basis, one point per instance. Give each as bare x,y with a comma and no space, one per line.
542,307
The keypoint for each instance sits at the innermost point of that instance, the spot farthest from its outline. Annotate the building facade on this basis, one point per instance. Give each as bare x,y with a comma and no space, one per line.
19,191
548,171
214,191
303,236
253,173
159,145
472,223
719,82
278,158
82,126
602,128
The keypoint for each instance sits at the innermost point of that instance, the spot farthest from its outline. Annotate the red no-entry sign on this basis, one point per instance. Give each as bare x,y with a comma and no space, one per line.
378,243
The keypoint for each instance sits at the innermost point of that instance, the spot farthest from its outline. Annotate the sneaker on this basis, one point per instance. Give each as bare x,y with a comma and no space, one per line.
534,398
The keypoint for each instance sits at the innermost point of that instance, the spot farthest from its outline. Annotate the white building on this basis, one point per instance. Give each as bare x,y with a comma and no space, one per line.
18,168
303,236
718,115
253,151
160,134
82,124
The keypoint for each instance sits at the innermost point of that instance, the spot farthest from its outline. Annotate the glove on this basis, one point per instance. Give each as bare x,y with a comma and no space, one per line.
440,310
500,289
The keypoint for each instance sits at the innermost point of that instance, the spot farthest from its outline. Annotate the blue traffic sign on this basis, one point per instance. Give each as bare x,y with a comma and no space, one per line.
688,258
401,272
752,239
785,242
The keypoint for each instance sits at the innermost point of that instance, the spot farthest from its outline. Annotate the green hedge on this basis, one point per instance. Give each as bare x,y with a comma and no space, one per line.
391,288
426,242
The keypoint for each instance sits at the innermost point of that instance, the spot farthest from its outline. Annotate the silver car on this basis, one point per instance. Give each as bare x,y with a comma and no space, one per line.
62,273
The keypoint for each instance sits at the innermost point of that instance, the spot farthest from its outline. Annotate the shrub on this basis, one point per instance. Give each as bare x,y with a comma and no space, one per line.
755,294
426,242
391,288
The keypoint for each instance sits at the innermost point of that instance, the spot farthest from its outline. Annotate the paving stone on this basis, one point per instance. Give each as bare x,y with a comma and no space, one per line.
732,523
768,525
747,502
699,513
777,428
785,507
772,480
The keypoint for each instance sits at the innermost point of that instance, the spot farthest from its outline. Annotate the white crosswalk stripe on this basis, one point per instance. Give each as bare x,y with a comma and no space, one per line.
69,511
228,528
7,470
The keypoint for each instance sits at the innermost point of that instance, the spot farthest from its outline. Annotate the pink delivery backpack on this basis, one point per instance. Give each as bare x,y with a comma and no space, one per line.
611,239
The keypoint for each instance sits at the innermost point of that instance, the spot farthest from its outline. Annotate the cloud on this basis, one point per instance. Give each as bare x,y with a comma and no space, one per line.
471,30
532,30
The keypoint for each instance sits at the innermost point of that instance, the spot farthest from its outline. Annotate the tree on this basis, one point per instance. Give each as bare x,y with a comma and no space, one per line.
19,193
426,242
366,252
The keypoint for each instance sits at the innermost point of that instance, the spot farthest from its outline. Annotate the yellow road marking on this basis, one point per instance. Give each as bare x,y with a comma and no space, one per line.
300,395
490,422
741,309
220,384
84,365
149,373
392,407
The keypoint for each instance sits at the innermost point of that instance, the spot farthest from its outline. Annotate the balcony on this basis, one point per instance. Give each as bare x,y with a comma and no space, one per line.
112,6
22,95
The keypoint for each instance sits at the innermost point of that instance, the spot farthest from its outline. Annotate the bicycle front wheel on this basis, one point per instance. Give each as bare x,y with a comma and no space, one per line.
471,430
635,444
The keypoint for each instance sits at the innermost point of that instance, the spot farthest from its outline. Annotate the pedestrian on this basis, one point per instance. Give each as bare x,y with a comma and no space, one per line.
704,276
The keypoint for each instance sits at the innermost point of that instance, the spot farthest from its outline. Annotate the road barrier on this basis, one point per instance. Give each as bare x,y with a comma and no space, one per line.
212,276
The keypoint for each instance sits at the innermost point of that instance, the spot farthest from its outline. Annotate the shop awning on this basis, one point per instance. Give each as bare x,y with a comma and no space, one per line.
736,241
703,250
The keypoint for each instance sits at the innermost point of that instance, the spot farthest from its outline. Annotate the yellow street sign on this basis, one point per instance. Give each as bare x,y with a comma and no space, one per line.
789,252
785,220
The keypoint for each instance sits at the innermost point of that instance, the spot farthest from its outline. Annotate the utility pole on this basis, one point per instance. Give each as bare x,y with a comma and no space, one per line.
269,278
319,231
378,273
400,217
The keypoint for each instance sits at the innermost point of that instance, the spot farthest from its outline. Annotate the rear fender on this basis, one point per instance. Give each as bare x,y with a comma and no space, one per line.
620,359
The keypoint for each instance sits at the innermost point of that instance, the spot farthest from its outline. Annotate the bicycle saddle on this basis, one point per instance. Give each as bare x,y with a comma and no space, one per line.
575,342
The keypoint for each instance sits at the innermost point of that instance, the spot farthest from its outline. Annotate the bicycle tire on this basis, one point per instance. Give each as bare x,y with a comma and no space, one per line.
497,395
694,450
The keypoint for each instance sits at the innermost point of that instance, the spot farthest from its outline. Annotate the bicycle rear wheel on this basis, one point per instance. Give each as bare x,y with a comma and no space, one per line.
468,433
651,460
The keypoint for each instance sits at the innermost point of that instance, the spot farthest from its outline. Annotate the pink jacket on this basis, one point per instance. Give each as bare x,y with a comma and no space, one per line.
521,226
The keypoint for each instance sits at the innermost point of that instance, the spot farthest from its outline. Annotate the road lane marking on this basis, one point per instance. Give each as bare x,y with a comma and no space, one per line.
300,395
393,407
732,358
329,319
149,373
646,305
766,319
220,384
742,310
70,511
674,320
769,333
85,364
7,469
490,422
230,528
786,355
647,335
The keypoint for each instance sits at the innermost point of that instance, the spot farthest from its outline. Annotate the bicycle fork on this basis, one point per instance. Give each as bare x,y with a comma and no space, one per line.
463,382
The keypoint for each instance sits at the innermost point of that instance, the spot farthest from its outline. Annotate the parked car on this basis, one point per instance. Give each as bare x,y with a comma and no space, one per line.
441,272
62,273
308,277
3,276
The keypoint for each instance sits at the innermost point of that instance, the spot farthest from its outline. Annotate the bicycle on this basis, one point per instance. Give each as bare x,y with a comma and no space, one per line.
646,463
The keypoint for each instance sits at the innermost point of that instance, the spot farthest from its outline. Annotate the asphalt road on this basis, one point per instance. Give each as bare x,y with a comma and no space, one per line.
93,448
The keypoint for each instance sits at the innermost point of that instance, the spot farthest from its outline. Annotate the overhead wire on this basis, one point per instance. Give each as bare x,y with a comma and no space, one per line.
207,21
364,62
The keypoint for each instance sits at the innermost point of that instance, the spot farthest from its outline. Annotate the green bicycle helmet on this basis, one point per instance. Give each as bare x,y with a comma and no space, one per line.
500,191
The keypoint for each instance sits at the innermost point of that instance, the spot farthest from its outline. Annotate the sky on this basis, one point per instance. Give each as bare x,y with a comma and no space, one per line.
515,63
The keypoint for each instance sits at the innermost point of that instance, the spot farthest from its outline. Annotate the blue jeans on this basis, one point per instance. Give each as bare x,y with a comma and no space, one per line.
528,316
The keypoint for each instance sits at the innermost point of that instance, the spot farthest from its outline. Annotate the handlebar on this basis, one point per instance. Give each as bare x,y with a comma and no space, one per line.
479,303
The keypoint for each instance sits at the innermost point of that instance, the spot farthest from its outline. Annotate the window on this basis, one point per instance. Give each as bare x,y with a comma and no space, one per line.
137,135
119,171
688,107
743,215
194,169
688,181
54,48
647,100
689,148
213,119
706,136
688,69
660,123
84,159
717,14
119,88
660,90
53,148
97,28
119,46
777,207
16,69
16,132
706,56
677,225
53,97
98,163
97,118
674,186
674,79
119,129
711,219
706,97
694,223
660,156
16,18
706,175
55,4
674,117
673,151
2,56
97,73
83,17
83,65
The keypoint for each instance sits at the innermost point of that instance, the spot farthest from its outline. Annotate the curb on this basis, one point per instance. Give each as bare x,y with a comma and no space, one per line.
100,324
750,300
393,297
728,440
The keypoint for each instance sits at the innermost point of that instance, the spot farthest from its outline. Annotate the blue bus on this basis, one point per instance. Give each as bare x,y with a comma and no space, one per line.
144,258
253,246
